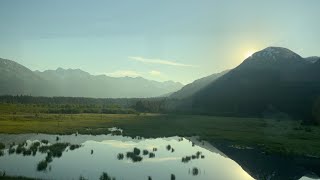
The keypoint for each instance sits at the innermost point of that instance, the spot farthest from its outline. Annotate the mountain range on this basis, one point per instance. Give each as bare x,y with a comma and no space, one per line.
273,82
16,79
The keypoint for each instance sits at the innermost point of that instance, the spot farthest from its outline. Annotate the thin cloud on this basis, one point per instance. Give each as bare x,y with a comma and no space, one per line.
124,73
155,73
158,61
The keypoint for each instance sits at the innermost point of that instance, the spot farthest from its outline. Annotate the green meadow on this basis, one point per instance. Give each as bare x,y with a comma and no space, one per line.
279,136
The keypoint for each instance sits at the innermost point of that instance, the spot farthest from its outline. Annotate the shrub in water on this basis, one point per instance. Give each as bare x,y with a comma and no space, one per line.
195,171
49,157
186,159
82,178
74,146
145,152
136,151
120,156
168,147
133,157
2,146
34,148
20,149
45,141
42,165
105,176
27,152
152,155
11,150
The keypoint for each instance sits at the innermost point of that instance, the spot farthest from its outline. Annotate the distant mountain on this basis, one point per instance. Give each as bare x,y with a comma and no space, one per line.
17,79
274,82
197,85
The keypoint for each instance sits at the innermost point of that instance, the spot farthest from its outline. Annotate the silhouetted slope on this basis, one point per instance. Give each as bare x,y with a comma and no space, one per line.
197,85
272,82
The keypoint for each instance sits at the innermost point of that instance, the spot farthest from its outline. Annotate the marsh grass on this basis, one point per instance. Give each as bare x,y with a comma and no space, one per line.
268,134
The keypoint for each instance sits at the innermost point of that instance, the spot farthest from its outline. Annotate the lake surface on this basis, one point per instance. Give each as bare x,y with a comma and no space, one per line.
173,157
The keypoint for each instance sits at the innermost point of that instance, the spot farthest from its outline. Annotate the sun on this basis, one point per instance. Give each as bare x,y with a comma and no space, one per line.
248,54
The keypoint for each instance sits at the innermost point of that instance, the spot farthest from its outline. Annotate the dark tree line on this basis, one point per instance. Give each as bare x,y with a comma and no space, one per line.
75,105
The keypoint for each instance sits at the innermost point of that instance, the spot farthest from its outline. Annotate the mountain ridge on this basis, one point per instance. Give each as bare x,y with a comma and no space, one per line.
262,86
18,79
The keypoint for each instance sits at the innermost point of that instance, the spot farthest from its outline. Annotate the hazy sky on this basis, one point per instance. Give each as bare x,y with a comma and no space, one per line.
180,40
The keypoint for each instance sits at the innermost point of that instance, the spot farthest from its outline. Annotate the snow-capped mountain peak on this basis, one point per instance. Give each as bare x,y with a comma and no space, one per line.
276,53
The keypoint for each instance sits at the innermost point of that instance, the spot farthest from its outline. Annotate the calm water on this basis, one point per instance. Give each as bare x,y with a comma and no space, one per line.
99,154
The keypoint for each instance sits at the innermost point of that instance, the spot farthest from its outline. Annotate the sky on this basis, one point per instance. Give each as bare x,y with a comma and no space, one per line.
179,40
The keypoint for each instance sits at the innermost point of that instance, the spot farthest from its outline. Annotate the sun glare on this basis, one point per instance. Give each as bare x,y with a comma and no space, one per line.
248,54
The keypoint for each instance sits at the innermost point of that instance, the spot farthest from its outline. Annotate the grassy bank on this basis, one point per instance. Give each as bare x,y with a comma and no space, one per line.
285,136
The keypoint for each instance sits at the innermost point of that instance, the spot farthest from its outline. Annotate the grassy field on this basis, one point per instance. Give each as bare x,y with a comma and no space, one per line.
287,137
